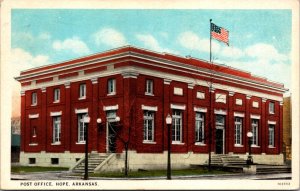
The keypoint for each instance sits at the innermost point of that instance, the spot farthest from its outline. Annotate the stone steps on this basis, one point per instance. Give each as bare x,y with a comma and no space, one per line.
272,169
225,160
94,160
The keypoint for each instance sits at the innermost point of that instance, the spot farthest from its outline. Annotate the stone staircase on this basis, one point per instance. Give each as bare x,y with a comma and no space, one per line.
94,160
267,169
226,160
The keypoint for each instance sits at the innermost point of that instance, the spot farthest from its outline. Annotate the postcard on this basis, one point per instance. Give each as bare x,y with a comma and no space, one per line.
100,95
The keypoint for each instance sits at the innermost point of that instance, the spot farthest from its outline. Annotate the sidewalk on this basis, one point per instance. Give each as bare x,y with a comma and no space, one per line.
63,175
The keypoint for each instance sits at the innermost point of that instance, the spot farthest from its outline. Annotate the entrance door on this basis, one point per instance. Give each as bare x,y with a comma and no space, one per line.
111,138
220,134
219,141
111,131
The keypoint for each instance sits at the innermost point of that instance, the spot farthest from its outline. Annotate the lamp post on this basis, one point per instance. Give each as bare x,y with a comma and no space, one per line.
249,159
86,120
169,122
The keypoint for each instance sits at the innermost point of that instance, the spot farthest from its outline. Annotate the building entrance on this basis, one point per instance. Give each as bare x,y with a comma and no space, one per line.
220,134
111,138
219,141
111,134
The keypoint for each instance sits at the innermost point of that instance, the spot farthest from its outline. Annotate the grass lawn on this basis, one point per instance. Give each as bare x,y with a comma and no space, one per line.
19,169
152,173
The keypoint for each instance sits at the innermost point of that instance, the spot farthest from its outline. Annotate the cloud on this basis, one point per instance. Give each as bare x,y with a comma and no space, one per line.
150,42
22,60
265,52
192,41
74,44
109,37
232,52
278,72
260,59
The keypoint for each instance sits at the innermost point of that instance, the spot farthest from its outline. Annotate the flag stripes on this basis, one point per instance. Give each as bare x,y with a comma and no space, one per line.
219,33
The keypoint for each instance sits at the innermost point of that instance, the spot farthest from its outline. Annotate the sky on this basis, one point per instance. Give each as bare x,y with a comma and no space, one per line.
259,40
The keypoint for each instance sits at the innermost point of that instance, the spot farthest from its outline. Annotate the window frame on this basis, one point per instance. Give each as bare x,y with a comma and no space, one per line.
255,129
200,127
177,126
149,116
56,95
111,86
149,90
271,135
271,108
56,129
82,91
81,129
238,131
34,99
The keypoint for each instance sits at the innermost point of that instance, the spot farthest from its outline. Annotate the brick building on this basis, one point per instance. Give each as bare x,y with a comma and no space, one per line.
142,87
287,127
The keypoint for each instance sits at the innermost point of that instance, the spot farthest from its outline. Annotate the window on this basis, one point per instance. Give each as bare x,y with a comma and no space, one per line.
238,102
177,126
238,126
31,161
34,131
271,135
34,98
271,108
56,95
220,120
254,125
220,98
56,129
111,87
178,91
149,126
111,115
54,161
82,91
199,127
81,128
200,95
149,87
255,104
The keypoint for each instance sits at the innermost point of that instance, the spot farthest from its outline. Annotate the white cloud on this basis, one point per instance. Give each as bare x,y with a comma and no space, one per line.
150,42
232,52
22,60
109,37
278,72
73,44
265,52
192,41
260,59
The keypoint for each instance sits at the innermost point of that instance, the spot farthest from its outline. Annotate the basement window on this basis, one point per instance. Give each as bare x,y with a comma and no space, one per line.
54,161
32,161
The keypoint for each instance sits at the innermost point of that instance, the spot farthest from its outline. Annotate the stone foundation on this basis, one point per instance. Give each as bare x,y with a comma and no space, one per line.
145,161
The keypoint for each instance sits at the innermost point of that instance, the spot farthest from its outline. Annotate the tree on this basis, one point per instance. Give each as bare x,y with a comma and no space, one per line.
125,139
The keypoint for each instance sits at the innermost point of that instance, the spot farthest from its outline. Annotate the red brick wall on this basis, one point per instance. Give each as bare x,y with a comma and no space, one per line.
130,97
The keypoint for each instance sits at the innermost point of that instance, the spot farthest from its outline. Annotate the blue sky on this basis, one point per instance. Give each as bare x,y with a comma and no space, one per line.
260,40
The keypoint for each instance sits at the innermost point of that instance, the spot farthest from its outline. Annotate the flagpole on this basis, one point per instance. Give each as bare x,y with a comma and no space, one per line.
210,108
210,40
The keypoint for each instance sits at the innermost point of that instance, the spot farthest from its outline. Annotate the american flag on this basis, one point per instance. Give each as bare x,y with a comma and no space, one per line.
219,33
